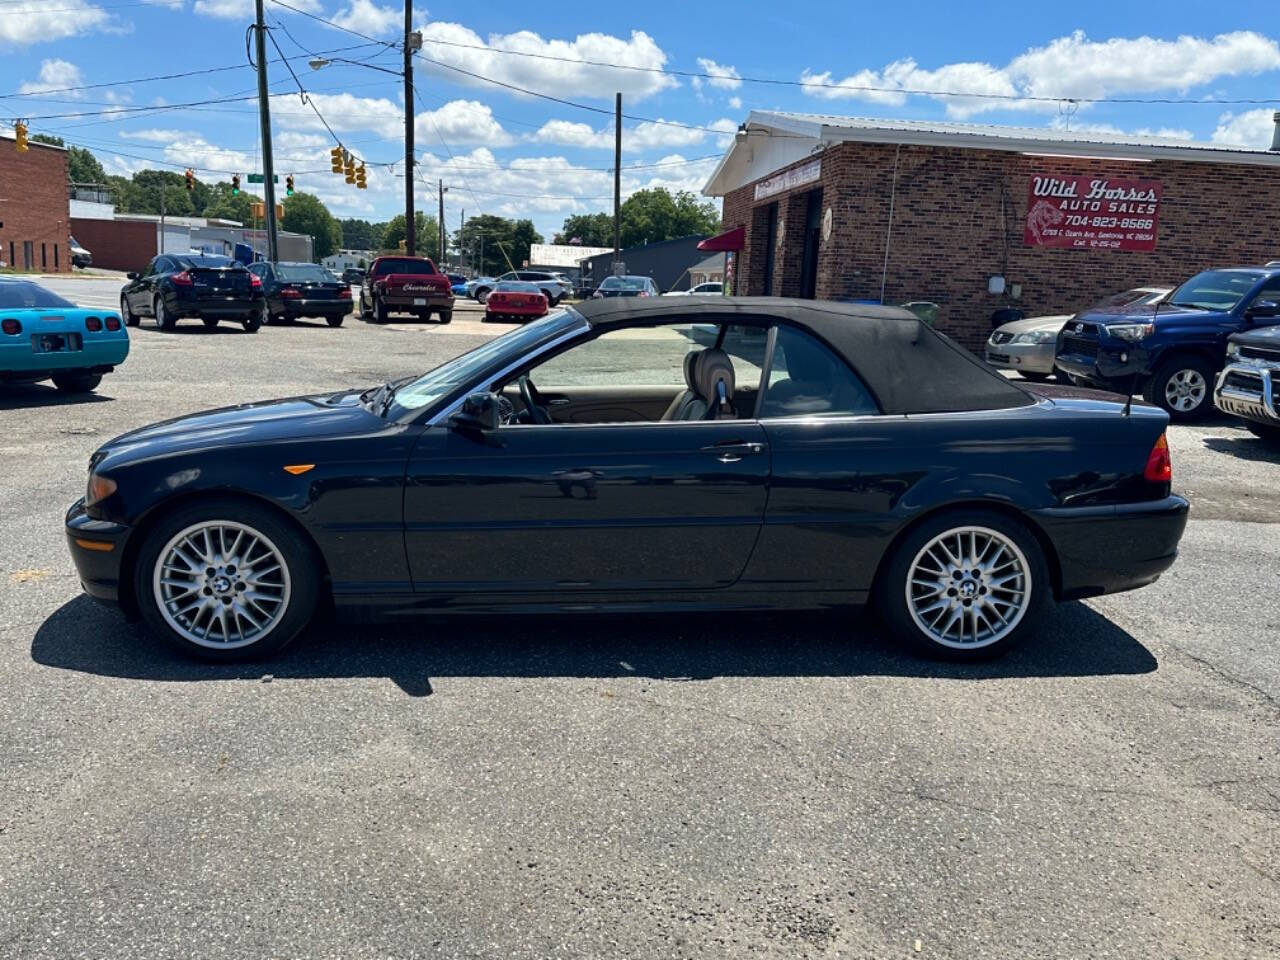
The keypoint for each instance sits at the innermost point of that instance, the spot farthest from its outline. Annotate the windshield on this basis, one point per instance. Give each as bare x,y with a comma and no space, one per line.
1215,289
188,263
20,294
624,283
516,286
459,372
404,265
303,271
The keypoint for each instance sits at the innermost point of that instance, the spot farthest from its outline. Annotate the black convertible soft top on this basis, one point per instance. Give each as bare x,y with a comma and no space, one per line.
910,367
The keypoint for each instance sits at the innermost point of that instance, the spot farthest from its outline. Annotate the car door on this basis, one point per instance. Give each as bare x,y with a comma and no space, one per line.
141,299
270,289
607,507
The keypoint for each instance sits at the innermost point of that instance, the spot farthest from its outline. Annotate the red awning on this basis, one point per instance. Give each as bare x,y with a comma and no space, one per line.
729,240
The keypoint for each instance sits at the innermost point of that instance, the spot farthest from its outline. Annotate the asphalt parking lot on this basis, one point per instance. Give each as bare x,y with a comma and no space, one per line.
779,786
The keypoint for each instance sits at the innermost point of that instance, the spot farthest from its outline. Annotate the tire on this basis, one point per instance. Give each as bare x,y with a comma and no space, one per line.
334,321
1182,387
1264,431
425,316
254,321
164,319
363,310
379,312
1035,377
285,599
446,316
76,382
210,323
482,294
127,315
914,615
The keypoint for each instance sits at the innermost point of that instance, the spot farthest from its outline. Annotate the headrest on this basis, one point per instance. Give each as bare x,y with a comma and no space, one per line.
690,359
711,367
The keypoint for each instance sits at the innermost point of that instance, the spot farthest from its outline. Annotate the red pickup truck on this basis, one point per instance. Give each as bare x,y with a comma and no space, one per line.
405,285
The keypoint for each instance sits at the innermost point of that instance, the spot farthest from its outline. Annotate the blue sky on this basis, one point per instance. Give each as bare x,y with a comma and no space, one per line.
503,152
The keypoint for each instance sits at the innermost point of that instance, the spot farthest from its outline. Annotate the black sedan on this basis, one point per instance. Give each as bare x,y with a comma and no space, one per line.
812,455
296,290
210,288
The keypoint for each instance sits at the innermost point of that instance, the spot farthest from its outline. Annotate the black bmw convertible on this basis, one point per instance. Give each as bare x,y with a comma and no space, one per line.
627,454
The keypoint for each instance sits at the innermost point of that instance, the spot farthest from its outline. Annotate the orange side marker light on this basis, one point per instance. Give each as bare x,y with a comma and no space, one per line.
297,468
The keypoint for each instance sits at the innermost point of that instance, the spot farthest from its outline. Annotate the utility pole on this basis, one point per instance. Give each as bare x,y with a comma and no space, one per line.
162,218
617,176
264,114
409,238
440,187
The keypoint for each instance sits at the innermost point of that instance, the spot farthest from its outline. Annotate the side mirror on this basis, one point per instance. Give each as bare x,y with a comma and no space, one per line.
131,275
1262,308
480,412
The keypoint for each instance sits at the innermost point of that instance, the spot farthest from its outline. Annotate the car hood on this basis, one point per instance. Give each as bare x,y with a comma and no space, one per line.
1139,312
290,419
1261,337
1032,324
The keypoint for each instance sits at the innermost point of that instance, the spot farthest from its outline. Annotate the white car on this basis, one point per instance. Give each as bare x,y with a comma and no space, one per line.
712,288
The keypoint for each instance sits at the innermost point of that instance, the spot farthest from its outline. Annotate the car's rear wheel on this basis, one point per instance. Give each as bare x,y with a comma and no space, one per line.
965,585
1182,387
164,319
210,323
76,382
226,580
482,295
1263,431
256,319
334,321
379,311
446,316
128,316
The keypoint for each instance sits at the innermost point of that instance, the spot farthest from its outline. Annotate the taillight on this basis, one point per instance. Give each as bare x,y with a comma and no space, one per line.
289,293
643,293
255,282
92,324
1159,467
9,325
182,279
344,293
113,323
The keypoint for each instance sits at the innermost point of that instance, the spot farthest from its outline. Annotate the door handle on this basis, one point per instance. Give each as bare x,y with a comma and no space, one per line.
558,402
731,451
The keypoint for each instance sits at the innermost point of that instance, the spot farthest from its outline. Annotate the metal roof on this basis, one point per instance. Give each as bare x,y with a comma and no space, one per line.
805,131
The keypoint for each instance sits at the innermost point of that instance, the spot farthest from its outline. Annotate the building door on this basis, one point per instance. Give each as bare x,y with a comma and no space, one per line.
770,245
812,228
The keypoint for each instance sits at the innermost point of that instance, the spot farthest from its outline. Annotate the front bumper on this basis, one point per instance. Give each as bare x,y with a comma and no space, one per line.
97,549
1115,361
1248,391
1108,549
1032,357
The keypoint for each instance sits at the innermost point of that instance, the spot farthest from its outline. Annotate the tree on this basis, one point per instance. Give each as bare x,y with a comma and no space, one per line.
523,236
588,229
224,205
361,234
82,166
304,213
496,244
650,216
426,234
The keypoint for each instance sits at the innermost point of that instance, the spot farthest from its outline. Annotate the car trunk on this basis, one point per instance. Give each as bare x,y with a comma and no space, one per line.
311,289
416,284
219,283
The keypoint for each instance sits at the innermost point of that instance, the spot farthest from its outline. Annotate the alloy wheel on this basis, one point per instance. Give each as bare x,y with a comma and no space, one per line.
1185,390
221,584
968,587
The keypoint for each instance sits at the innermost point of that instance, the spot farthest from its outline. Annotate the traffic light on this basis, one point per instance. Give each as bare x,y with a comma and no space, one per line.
258,211
20,135
191,179
235,184
361,182
350,169
288,185
335,156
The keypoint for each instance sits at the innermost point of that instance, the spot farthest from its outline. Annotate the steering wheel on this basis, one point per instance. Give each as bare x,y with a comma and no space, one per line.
537,413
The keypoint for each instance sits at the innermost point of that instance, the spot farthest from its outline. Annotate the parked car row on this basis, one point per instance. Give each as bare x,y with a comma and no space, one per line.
554,286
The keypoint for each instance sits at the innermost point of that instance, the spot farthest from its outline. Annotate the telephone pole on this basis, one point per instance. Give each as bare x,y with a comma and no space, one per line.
264,114
409,238
441,188
617,176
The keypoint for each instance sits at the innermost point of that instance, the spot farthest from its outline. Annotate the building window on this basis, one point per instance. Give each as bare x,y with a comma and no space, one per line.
44,257
11,263
28,255
55,256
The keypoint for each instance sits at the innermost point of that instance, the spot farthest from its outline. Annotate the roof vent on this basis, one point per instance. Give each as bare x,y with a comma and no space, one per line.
1275,133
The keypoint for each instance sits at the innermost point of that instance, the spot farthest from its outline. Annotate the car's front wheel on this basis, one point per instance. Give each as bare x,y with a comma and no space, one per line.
1035,377
965,585
1183,387
482,295
226,580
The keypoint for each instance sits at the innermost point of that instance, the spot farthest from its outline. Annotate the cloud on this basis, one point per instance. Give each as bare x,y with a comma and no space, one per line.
558,66
55,75
1252,128
735,103
29,22
365,16
461,121
243,9
1070,67
1164,133
154,135
187,149
722,76
646,135
457,122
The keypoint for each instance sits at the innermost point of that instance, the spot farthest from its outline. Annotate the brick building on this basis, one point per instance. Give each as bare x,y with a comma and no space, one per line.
35,219
977,218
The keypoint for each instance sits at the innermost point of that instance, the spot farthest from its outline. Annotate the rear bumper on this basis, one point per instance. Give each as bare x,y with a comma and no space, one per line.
1032,357
315,308
99,355
1113,548
97,547
1248,391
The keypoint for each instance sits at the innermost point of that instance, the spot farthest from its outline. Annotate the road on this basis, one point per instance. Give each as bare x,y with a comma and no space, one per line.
779,786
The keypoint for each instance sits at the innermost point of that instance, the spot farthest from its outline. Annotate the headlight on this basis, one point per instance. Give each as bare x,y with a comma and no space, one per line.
1037,336
1233,349
1131,331
100,488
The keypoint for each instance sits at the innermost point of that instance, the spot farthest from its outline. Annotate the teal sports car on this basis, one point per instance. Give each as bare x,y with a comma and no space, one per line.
44,337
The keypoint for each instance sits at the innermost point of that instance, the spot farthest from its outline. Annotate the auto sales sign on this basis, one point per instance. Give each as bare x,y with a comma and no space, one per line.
1092,213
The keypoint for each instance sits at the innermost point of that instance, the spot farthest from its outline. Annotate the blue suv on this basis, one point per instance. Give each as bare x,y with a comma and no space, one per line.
1172,352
